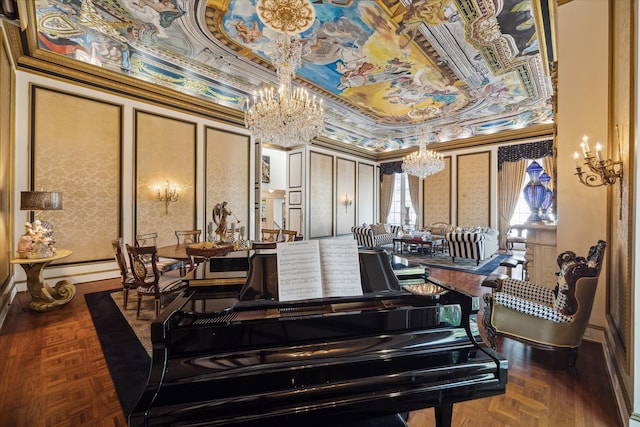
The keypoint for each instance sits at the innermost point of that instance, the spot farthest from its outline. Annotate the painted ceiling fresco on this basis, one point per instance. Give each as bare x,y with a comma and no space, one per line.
384,68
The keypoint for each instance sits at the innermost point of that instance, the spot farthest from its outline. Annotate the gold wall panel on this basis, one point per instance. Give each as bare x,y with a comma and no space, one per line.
228,175
437,196
6,100
366,193
76,145
621,132
474,189
165,150
345,184
321,200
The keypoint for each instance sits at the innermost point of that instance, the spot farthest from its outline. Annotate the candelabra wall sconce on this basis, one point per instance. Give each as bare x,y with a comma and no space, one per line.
598,171
168,194
347,201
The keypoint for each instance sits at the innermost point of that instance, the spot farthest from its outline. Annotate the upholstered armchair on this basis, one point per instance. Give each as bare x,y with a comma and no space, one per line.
547,318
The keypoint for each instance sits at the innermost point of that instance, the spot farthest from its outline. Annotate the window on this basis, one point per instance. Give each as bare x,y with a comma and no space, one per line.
400,202
522,212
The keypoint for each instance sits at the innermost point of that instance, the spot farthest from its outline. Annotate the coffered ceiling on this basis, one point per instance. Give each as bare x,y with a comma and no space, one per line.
383,67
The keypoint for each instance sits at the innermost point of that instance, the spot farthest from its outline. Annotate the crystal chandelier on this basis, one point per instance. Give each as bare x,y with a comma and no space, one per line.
288,116
423,162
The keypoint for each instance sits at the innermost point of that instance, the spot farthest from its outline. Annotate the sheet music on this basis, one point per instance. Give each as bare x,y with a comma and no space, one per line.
299,273
340,267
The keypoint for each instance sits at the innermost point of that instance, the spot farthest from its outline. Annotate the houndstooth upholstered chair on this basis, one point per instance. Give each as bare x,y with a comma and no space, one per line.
547,318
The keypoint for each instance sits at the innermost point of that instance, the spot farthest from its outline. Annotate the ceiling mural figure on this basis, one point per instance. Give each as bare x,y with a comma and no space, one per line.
467,67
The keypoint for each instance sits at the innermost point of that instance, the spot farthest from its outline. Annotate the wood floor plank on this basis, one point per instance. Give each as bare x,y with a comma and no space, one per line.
54,374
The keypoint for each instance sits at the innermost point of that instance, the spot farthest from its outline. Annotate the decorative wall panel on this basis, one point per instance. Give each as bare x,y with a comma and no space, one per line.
228,175
474,189
345,187
295,220
295,170
621,147
6,99
76,145
366,193
437,196
165,151
321,200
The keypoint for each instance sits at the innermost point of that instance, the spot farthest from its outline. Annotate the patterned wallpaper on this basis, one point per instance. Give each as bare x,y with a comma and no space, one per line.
474,194
345,184
76,149
366,193
165,150
437,196
228,175
321,201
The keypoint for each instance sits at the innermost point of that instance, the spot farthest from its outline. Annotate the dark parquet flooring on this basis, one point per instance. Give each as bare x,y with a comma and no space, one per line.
53,373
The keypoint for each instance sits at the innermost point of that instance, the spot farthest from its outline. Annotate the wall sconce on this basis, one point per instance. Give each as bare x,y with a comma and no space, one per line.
347,201
168,194
601,172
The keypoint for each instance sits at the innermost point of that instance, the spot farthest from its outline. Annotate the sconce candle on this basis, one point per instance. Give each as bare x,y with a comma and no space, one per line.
168,194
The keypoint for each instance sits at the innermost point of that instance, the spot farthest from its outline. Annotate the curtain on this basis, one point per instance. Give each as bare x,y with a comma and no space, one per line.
511,180
386,195
414,193
547,165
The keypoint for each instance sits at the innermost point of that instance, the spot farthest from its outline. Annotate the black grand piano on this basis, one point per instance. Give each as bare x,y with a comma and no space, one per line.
249,360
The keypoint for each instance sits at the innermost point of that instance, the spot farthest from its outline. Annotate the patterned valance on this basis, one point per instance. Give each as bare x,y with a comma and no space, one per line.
389,168
530,150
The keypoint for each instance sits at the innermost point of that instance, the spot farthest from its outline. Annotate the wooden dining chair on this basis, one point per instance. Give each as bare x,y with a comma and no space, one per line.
289,235
164,265
188,237
269,235
147,277
128,282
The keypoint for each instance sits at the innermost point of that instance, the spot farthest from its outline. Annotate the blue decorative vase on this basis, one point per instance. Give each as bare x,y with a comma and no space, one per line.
546,204
544,179
534,194
534,170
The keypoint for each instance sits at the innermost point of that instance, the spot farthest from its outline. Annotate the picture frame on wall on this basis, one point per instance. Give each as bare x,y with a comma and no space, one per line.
266,169
295,197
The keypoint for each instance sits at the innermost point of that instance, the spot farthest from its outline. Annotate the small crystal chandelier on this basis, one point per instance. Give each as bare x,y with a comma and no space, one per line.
423,162
290,116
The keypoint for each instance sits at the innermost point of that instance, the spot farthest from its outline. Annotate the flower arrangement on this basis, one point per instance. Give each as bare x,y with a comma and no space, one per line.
36,242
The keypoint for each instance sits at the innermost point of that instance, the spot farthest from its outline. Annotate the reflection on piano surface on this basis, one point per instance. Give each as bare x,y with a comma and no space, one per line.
252,361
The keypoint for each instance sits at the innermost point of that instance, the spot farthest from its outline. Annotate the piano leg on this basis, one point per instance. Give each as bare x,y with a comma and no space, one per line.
443,414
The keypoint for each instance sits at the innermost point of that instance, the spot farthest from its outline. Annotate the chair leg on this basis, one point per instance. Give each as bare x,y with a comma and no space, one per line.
125,297
139,304
157,307
573,357
486,321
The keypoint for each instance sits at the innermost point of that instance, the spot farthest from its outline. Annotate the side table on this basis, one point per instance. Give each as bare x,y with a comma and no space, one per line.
44,297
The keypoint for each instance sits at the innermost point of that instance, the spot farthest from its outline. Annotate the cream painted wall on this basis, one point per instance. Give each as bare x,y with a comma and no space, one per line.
582,109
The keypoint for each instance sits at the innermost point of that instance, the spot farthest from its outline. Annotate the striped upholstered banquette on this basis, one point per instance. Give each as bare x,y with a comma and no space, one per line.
366,237
474,245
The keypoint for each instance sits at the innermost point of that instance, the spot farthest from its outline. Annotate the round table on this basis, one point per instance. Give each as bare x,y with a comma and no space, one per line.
44,297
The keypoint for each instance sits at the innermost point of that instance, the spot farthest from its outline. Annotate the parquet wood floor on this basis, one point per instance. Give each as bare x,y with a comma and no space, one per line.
53,373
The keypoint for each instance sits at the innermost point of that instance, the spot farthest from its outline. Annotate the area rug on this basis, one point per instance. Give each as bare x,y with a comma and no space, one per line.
127,359
464,265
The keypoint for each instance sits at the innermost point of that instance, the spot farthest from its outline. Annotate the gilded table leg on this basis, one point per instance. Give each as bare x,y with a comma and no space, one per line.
44,297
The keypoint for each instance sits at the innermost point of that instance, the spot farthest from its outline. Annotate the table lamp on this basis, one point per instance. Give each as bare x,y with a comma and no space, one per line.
37,241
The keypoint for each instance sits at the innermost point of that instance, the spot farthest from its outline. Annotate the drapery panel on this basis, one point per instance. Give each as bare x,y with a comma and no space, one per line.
386,195
511,180
414,191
